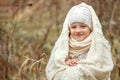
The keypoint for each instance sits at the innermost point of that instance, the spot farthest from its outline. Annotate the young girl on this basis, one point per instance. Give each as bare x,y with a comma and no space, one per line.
81,52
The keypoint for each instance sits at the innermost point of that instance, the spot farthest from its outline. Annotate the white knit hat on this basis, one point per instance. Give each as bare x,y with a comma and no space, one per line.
80,14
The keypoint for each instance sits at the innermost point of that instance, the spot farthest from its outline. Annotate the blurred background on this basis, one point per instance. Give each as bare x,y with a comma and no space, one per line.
29,29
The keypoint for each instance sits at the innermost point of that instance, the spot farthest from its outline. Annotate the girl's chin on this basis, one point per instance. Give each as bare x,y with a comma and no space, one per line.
78,38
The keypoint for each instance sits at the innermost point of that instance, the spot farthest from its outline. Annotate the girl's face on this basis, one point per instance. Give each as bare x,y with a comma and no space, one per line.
79,31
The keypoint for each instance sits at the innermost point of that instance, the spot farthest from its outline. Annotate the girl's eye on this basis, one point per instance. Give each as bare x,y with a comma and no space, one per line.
73,27
83,26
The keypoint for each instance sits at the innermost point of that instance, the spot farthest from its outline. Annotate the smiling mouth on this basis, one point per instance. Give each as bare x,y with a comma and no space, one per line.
78,34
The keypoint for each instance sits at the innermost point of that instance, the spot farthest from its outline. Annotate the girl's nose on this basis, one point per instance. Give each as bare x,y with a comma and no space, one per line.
78,29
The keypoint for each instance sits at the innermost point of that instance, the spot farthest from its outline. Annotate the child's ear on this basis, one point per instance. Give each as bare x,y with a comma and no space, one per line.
91,30
69,32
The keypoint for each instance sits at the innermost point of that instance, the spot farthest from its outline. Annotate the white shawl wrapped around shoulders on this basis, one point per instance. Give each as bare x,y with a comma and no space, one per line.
98,63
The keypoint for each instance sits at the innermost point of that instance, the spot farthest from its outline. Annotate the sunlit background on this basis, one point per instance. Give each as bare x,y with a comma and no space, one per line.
29,29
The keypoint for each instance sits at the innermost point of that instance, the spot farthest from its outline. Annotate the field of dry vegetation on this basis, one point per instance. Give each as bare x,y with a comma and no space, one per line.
28,34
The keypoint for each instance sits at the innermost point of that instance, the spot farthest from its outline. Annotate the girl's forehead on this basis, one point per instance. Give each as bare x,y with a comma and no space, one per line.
78,23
